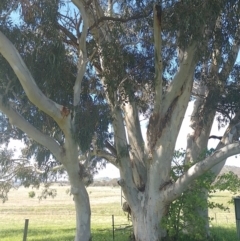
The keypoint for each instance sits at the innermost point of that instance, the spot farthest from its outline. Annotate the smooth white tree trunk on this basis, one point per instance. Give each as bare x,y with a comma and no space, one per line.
83,214
147,222
82,205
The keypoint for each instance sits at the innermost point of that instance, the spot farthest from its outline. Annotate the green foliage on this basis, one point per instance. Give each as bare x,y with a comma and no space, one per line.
91,119
4,189
185,219
17,172
31,194
228,181
47,192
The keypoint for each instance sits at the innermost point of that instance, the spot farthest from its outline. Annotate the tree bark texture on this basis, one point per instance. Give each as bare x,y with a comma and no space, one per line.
146,223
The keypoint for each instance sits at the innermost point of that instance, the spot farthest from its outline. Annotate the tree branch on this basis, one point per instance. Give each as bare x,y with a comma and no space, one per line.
72,38
17,120
126,170
134,130
157,22
111,148
107,156
199,168
227,139
136,143
82,63
35,95
39,171
122,20
17,167
227,68
186,67
15,4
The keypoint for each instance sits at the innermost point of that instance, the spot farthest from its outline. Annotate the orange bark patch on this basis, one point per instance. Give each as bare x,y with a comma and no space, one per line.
65,111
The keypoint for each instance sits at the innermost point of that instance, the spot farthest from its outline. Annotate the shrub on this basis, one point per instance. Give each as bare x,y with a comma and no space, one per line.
31,194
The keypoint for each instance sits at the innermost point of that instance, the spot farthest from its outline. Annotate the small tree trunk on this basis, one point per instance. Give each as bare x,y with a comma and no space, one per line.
147,223
82,206
83,215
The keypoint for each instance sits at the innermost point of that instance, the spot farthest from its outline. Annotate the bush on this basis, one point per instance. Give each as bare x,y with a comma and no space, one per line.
183,218
31,194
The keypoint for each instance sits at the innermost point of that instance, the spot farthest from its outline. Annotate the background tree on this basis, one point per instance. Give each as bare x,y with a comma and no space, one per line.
215,91
116,61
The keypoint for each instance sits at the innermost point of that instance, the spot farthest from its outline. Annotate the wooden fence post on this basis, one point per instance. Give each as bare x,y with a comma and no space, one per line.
113,227
25,230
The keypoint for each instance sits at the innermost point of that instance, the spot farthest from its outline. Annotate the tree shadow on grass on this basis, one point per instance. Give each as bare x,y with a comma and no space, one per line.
40,234
107,235
61,234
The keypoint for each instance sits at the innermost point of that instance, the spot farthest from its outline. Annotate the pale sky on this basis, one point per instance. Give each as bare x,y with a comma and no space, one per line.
112,172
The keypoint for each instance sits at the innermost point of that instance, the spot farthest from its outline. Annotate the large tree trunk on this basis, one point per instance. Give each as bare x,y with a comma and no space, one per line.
147,221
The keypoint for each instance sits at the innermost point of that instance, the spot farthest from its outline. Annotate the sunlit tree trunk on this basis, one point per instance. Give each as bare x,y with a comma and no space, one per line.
82,207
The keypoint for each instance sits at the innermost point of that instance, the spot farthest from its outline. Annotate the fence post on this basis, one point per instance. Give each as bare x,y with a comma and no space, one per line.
25,230
113,227
121,196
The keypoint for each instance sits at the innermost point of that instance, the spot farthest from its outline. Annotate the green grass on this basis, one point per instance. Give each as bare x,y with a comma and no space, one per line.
227,233
54,219
56,234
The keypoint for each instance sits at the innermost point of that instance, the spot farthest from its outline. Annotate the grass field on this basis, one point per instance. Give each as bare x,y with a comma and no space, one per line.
54,219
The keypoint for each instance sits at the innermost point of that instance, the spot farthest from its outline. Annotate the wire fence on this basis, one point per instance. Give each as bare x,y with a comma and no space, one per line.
223,218
218,218
120,228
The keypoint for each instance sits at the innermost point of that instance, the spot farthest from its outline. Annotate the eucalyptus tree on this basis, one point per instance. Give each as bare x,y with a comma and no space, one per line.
48,102
70,68
187,37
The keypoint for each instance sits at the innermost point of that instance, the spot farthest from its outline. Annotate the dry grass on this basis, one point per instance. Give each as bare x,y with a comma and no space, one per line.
105,201
54,219
221,217
57,213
